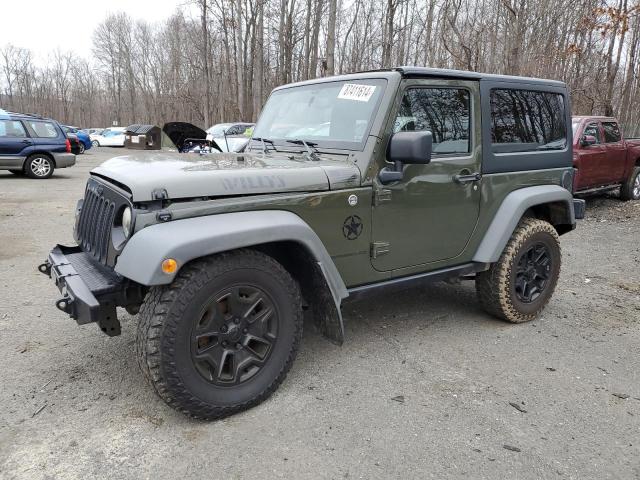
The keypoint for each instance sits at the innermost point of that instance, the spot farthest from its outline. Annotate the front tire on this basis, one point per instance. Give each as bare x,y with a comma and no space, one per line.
39,166
630,190
221,338
519,285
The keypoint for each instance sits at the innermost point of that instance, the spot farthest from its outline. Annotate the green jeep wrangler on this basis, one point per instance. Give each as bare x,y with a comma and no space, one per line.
350,186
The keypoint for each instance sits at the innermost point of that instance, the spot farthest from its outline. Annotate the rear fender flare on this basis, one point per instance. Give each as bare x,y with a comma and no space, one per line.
512,209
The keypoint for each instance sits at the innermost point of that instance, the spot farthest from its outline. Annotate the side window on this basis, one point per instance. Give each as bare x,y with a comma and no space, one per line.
44,129
526,120
11,129
446,112
593,130
611,132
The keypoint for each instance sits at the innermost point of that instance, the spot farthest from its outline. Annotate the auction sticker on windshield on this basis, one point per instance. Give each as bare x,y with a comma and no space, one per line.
356,91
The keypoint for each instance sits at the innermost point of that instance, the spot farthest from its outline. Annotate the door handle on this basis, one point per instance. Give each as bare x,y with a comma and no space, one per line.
466,178
26,141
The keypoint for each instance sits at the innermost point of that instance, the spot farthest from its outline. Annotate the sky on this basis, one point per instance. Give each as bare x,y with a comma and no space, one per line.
44,25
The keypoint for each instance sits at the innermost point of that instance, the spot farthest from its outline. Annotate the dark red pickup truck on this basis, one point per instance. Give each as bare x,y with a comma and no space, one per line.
604,159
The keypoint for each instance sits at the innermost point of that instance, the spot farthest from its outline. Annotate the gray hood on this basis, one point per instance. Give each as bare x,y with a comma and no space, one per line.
192,175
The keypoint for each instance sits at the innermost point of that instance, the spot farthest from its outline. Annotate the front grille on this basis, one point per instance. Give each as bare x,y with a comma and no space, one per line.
93,231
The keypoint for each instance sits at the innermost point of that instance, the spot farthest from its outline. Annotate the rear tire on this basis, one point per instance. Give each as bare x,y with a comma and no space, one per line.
39,166
222,336
81,149
519,285
630,190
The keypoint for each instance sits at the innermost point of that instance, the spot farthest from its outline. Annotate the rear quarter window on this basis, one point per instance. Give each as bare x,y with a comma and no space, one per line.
44,129
527,120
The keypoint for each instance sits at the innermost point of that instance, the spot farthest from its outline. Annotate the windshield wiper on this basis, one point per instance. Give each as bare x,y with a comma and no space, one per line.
264,142
311,154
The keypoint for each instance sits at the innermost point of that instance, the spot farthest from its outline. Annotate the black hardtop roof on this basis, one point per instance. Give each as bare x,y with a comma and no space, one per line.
409,71
427,72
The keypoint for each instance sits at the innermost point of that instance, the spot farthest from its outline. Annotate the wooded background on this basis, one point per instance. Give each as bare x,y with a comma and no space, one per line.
220,63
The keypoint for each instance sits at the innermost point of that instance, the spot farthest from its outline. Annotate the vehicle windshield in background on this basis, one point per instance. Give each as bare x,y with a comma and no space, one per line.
218,130
574,128
330,114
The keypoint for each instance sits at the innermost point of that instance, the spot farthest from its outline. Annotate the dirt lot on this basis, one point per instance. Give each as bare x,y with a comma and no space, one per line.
426,385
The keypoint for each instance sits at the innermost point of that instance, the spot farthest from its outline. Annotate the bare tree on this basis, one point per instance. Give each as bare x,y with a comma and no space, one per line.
219,61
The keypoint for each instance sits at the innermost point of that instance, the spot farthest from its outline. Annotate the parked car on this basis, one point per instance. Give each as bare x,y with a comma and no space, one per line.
82,137
231,137
188,138
109,137
223,255
93,131
604,159
75,143
33,145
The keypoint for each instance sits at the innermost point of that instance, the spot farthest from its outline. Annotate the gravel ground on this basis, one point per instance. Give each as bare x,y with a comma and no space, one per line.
426,385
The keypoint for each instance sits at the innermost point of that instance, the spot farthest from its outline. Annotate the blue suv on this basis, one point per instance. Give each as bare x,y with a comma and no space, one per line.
33,145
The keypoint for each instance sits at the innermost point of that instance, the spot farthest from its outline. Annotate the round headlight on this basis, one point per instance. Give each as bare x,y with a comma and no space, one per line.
126,222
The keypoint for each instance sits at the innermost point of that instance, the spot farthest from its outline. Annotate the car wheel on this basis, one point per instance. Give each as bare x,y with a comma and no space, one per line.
631,189
95,143
81,150
39,166
222,336
519,285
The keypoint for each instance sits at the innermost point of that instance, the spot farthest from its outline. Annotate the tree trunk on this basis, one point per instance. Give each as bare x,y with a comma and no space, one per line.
331,38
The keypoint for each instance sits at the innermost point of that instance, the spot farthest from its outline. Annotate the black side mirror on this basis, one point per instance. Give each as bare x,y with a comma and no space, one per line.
588,140
406,148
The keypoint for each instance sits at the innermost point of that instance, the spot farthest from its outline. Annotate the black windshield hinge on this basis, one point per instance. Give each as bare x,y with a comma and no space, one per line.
380,196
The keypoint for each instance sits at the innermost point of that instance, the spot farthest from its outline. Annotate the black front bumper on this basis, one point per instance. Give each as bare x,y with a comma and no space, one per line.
91,292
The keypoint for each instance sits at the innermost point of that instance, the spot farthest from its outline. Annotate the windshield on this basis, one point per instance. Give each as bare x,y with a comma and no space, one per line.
330,114
218,129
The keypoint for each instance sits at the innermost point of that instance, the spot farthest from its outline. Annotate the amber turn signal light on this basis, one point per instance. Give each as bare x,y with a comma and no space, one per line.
169,265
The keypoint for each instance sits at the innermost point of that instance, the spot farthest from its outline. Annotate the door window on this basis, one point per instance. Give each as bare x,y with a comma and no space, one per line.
611,132
12,129
527,120
445,112
593,130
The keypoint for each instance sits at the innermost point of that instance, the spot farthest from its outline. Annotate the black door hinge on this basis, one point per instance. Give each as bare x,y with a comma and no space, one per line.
380,248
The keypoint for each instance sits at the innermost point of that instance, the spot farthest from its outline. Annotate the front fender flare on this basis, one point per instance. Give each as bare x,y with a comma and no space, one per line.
511,211
191,238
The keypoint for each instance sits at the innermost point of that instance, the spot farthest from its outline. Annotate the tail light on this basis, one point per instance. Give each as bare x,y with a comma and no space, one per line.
68,145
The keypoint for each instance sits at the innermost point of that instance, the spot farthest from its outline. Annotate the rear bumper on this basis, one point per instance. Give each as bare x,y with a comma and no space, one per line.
90,291
64,159
579,207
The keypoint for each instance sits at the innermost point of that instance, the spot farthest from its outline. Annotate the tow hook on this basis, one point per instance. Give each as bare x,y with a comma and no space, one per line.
65,305
45,268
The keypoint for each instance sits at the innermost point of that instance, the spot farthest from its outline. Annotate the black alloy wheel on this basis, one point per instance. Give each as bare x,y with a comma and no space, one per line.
234,336
222,336
533,272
